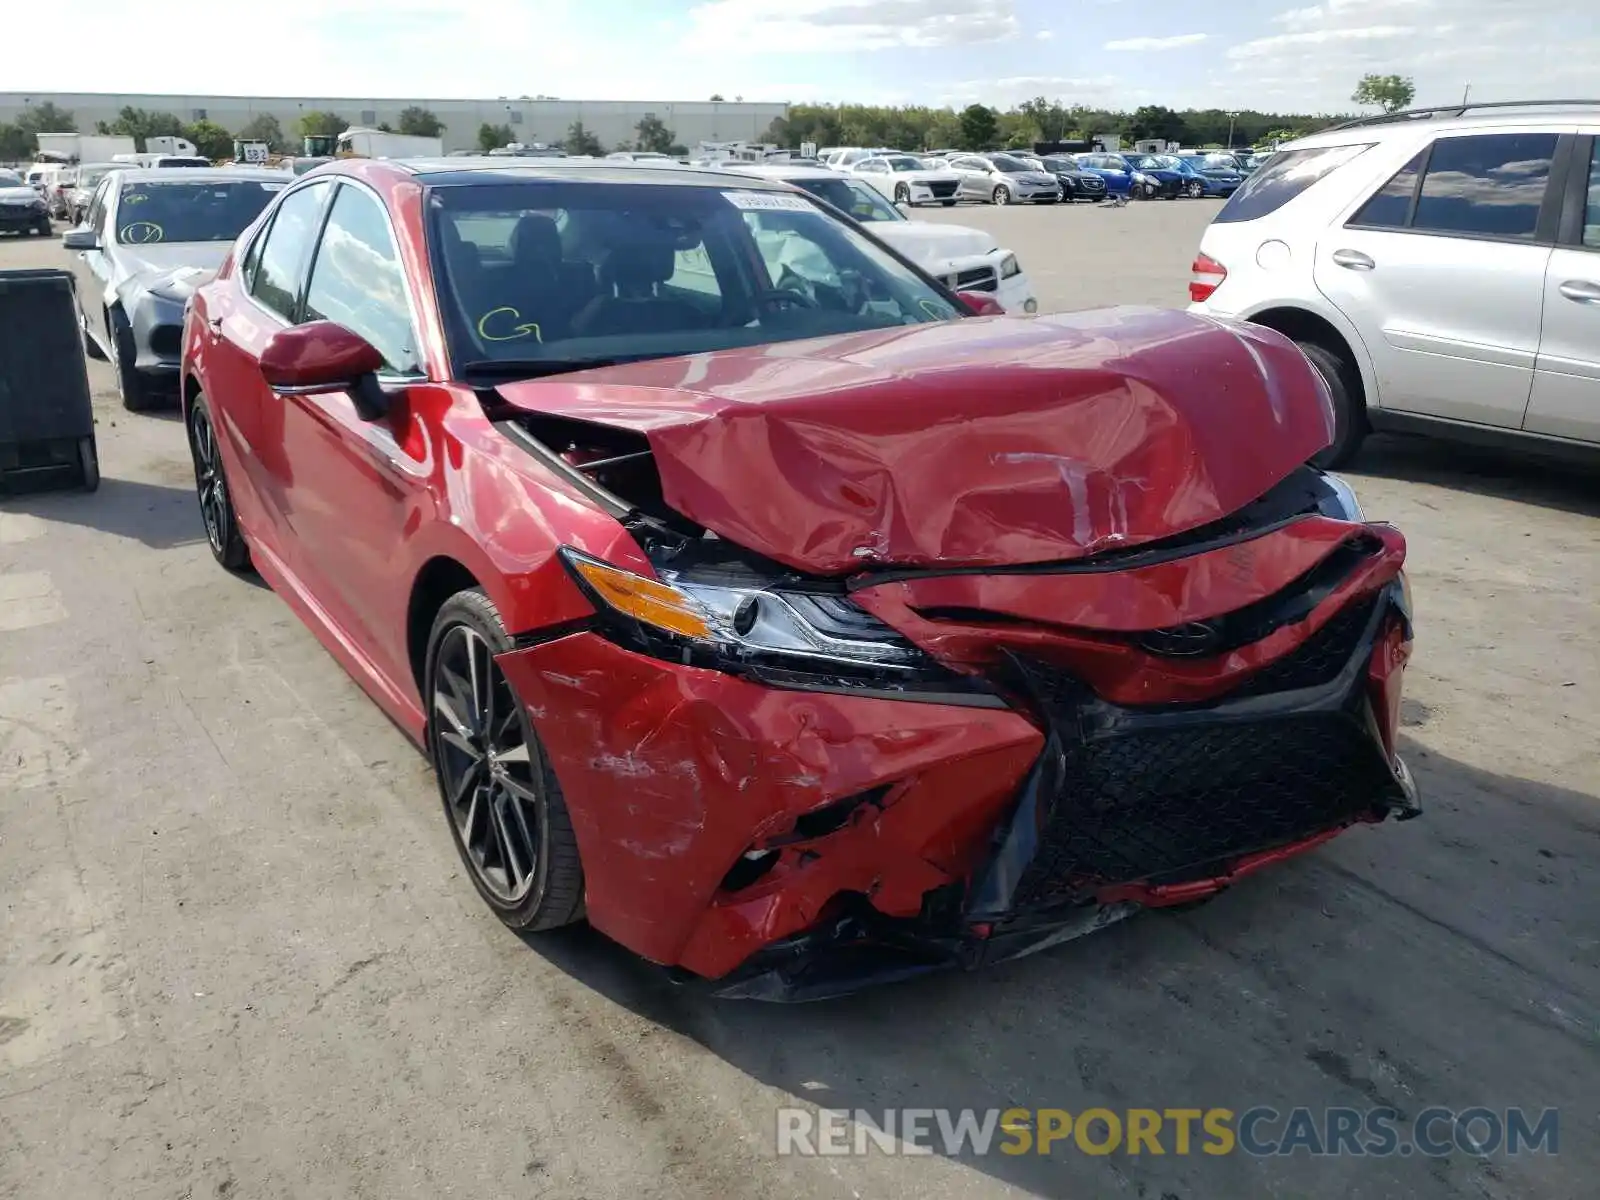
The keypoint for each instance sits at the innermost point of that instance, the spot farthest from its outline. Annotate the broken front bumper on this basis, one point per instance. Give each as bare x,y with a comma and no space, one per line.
789,845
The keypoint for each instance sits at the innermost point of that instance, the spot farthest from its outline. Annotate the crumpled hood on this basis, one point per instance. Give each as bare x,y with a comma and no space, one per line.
979,442
177,268
927,244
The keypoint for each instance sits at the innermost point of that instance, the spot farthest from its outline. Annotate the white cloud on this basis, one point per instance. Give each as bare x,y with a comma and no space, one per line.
1157,43
1317,37
1014,89
798,26
1044,35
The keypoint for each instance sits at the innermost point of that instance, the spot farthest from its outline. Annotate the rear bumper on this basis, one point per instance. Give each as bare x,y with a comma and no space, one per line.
17,219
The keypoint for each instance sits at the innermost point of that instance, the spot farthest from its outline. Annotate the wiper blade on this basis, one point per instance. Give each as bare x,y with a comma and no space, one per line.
531,368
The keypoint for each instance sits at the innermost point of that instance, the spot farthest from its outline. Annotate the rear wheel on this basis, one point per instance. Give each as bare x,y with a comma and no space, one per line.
89,461
505,809
1002,195
1196,189
1349,414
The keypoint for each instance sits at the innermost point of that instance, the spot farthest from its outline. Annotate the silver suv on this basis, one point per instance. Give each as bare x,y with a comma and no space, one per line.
1440,268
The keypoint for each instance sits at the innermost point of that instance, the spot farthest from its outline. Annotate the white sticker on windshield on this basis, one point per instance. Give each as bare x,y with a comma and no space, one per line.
769,202
273,187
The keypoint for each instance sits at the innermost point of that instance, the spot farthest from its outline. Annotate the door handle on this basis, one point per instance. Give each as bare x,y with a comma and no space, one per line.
1582,291
1353,259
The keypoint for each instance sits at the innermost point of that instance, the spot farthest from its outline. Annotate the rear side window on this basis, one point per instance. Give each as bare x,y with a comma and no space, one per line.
1390,206
1491,185
1591,216
284,254
1283,177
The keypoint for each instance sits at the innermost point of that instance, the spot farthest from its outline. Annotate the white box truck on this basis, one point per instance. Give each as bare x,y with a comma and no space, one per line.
84,147
375,143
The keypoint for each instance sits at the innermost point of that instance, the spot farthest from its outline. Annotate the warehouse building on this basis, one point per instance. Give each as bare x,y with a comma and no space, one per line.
531,119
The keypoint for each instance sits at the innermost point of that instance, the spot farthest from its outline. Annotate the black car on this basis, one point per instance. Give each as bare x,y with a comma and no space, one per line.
22,210
150,237
1076,183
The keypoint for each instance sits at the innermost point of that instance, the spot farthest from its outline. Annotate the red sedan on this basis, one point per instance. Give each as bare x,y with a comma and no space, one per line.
771,607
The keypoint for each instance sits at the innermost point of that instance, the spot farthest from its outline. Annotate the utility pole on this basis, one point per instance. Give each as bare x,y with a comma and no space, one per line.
1465,92
1231,118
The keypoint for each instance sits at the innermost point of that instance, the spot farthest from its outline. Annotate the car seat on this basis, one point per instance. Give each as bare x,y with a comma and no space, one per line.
630,268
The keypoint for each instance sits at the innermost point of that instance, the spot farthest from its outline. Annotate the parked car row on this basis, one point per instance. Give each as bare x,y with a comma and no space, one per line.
1019,177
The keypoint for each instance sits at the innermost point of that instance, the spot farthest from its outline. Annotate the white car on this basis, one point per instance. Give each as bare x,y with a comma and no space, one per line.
1440,269
848,156
963,259
906,179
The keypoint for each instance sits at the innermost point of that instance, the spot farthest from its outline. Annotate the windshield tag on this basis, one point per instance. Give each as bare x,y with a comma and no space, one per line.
273,187
769,202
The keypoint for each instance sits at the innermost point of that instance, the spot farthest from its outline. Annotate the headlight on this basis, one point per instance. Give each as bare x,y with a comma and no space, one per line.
1009,266
781,637
1341,502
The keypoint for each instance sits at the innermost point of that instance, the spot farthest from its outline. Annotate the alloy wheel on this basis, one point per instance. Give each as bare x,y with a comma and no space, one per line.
1002,195
902,194
210,486
1196,189
487,766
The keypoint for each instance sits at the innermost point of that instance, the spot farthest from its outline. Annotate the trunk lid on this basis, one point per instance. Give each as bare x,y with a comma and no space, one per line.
980,442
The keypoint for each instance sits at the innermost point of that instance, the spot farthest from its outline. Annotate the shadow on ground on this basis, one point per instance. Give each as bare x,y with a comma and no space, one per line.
1463,943
159,516
1506,474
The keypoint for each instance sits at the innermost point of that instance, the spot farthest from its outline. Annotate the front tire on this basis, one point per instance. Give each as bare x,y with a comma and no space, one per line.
948,203
132,390
211,490
902,194
1001,195
1349,415
501,798
1196,189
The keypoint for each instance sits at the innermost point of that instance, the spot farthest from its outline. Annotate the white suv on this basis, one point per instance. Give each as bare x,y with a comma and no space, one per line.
1440,268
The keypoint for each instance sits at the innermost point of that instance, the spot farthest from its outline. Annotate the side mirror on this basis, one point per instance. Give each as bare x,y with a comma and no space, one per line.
982,304
323,356
80,239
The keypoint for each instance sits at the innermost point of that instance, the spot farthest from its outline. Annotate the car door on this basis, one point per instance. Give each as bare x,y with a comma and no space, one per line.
1566,376
91,269
263,298
974,175
1443,272
353,488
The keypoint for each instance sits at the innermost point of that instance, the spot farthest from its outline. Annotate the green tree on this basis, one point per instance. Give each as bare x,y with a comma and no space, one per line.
979,124
581,141
264,127
323,124
653,135
46,118
16,143
716,97
492,137
1389,92
210,139
1048,116
141,125
1155,121
420,122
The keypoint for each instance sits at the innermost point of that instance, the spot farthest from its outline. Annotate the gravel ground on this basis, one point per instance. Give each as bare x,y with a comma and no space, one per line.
240,959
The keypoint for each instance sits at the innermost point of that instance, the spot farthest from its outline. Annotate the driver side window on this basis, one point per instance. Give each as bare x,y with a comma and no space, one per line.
357,279
284,252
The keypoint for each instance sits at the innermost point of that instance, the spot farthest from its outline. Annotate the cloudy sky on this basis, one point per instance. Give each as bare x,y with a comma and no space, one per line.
1263,54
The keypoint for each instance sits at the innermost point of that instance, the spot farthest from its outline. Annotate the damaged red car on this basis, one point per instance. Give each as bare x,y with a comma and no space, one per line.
765,604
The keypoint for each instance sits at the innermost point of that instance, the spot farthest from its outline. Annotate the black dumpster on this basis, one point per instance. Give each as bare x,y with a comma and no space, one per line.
46,420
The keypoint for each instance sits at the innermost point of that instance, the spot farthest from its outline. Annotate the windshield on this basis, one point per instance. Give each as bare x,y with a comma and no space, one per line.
1011,166
212,210
1057,163
861,200
89,176
904,162
557,275
10,178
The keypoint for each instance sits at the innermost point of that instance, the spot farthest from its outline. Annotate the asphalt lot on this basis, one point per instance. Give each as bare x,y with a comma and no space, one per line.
240,958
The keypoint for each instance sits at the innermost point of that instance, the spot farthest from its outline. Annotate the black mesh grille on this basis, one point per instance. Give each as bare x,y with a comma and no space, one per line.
1317,660
1165,805
943,188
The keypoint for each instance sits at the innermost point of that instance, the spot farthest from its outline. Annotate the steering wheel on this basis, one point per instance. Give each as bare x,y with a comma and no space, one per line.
786,297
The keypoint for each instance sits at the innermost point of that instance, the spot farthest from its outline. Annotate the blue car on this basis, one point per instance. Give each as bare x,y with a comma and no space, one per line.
1113,168
1165,177
1218,173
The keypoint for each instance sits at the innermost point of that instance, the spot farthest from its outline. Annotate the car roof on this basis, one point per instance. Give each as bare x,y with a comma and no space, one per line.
1451,120
779,171
502,170
199,174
